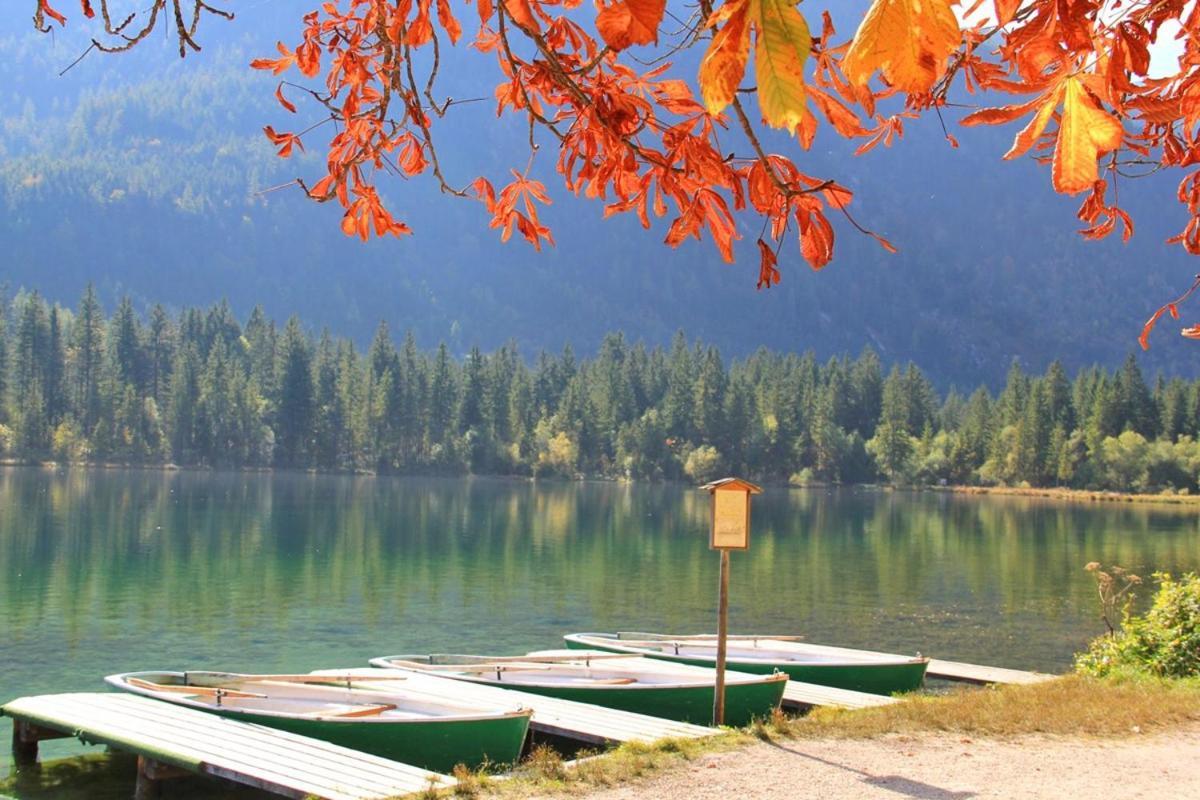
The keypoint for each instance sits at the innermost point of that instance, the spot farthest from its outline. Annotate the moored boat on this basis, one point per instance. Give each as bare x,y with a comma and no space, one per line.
614,680
411,727
860,670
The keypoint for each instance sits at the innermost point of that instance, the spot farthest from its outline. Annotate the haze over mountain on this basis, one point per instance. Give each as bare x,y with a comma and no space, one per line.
142,174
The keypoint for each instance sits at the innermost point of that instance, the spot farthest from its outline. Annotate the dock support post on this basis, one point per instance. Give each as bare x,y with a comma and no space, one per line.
24,744
150,775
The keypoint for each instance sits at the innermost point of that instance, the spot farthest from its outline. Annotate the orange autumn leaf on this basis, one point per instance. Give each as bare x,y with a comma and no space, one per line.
522,14
1028,135
724,63
908,41
628,22
1085,133
276,65
768,272
1171,308
1006,10
782,45
51,13
283,101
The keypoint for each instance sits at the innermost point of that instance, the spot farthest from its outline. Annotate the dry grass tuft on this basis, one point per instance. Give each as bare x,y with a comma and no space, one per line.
1070,705
544,771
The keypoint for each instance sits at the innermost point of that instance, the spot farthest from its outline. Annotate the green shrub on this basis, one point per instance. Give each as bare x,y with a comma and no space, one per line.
1165,641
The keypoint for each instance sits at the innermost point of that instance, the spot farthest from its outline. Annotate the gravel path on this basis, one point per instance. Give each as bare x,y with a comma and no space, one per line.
935,768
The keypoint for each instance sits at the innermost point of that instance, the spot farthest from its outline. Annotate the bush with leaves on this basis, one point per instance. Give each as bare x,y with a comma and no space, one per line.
1164,642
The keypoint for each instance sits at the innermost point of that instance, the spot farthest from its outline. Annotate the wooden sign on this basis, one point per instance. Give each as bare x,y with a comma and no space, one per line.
730,521
730,528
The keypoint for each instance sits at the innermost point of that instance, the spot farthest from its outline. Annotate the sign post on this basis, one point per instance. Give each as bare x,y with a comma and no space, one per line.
730,531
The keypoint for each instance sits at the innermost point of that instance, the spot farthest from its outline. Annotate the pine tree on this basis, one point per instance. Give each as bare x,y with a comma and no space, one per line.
181,414
329,424
1134,401
677,405
53,375
86,360
1059,403
160,352
124,357
1010,405
443,397
866,389
708,399
1174,410
293,442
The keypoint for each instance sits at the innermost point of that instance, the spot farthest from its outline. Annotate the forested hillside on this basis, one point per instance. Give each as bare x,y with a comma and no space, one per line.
145,176
204,389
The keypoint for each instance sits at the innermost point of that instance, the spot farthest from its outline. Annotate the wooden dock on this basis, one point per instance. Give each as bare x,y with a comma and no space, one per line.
945,670
580,721
976,673
170,741
804,696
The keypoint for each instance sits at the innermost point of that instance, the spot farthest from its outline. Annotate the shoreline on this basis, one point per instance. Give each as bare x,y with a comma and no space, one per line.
1069,495
1060,494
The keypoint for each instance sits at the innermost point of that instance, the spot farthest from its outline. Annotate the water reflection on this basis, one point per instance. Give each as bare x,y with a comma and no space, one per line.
109,571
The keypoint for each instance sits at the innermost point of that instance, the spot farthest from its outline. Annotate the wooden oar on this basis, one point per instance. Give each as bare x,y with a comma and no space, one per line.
659,637
532,658
339,678
207,691
510,666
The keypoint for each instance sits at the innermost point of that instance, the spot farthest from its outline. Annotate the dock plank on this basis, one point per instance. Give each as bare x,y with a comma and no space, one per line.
281,762
807,695
977,673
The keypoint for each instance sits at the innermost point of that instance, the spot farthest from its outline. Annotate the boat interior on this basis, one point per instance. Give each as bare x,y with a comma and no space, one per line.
571,668
298,695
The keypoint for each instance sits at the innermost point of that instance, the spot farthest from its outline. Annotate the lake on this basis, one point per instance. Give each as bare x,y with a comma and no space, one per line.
110,571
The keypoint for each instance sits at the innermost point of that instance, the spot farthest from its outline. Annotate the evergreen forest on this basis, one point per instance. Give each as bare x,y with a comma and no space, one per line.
199,388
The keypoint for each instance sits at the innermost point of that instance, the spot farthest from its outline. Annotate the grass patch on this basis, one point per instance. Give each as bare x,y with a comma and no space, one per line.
544,771
1070,705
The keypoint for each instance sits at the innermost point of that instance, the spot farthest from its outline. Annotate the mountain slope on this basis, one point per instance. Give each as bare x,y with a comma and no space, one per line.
144,175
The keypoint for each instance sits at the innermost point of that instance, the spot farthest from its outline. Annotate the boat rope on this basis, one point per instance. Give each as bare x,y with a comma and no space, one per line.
676,647
497,673
219,693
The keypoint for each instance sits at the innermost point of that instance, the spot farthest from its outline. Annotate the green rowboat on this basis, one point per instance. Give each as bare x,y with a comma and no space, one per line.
628,683
414,728
860,670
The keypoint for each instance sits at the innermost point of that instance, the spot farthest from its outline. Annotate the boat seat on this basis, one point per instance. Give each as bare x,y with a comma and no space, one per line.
367,711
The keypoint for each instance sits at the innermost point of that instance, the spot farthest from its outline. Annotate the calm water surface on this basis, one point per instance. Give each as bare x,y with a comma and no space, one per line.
103,572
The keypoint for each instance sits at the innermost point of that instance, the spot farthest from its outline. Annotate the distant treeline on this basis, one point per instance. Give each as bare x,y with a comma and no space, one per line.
203,389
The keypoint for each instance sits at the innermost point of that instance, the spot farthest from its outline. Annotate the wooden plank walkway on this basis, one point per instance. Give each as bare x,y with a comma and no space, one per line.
169,739
581,721
976,673
807,695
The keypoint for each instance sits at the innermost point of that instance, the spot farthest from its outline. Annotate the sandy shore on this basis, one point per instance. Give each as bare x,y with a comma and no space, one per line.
934,767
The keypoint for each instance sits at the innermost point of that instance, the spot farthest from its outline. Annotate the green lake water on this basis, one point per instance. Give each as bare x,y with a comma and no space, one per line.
110,571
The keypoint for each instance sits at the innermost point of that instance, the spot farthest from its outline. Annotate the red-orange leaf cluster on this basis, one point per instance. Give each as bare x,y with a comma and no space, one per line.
633,132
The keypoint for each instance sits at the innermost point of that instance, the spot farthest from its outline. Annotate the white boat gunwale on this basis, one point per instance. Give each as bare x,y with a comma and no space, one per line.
407,663
860,658
120,681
